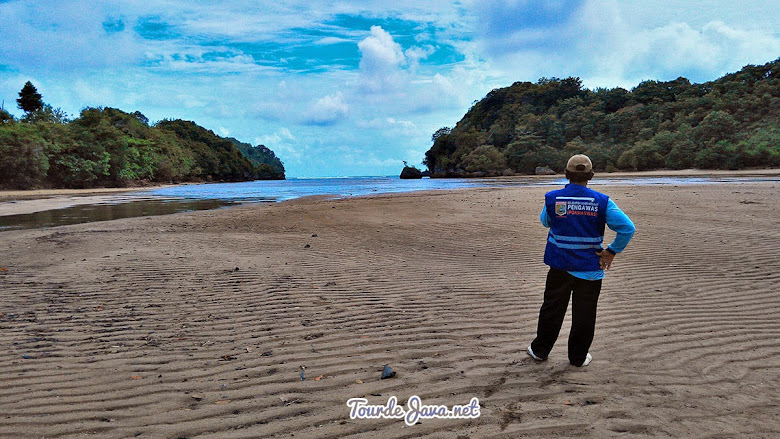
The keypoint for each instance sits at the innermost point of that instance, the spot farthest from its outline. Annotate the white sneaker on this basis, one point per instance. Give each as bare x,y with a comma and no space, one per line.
531,353
588,358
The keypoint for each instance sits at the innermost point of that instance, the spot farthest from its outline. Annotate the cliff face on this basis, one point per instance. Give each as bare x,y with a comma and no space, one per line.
729,123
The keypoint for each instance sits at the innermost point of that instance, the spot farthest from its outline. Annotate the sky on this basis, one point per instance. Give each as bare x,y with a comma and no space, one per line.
354,88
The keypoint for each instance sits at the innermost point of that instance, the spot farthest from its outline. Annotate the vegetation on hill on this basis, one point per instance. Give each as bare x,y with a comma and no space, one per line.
730,123
107,147
268,166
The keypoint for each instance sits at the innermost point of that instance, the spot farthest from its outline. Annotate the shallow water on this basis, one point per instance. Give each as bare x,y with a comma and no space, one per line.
87,213
281,190
216,195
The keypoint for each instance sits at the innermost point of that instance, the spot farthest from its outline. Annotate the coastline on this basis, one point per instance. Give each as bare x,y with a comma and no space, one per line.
198,323
33,194
19,202
31,201
7,195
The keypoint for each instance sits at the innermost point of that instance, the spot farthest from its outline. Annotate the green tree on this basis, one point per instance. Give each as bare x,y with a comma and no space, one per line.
23,161
683,151
716,126
729,123
516,151
721,155
443,131
267,165
108,147
46,114
643,156
485,159
762,148
541,156
29,99
613,99
652,91
603,157
218,158
5,116
141,118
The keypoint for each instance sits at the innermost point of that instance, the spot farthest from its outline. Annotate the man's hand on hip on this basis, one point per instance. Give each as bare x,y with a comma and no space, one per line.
605,259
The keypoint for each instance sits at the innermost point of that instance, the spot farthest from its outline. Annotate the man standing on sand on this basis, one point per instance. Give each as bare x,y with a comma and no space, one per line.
576,216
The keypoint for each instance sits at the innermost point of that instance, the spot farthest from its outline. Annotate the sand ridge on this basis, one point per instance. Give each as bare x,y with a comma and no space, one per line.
197,324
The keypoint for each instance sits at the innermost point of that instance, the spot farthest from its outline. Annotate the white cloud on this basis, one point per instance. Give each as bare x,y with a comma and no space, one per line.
678,47
610,43
283,144
197,64
381,61
283,135
188,100
624,54
401,123
415,54
328,110
390,126
383,163
330,40
65,36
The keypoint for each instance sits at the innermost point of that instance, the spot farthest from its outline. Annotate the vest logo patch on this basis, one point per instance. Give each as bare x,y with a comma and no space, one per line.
582,208
560,208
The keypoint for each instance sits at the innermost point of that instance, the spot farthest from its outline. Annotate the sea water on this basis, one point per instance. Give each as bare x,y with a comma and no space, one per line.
191,197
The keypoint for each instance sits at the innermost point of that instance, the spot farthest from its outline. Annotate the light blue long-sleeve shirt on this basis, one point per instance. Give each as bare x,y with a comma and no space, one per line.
618,222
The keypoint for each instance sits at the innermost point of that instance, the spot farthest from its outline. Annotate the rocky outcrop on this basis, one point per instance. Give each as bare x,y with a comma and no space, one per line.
410,172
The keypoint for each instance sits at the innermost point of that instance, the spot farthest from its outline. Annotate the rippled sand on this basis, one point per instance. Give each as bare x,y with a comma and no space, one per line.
197,324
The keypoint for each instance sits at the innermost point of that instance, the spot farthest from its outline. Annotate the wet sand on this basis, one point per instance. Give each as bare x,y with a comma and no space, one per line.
38,200
197,324
29,201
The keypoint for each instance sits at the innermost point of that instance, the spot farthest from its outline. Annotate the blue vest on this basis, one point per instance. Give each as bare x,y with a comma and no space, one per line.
577,218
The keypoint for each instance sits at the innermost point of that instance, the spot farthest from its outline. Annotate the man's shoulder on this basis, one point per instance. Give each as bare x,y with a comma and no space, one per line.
577,189
555,193
597,193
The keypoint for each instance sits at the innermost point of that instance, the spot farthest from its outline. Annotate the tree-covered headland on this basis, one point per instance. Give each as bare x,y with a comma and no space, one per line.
106,147
729,123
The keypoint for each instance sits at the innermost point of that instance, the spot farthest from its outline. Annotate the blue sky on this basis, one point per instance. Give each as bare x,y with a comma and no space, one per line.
345,88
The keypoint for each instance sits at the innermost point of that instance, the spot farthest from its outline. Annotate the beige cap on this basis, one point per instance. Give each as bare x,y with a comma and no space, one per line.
579,163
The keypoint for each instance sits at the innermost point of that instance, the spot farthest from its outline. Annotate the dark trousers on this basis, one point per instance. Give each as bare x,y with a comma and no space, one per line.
584,299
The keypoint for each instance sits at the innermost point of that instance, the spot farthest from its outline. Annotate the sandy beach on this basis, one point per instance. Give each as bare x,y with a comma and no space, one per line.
197,325
19,202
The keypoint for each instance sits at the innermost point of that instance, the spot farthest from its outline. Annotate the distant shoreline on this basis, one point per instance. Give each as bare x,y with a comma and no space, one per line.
33,194
27,194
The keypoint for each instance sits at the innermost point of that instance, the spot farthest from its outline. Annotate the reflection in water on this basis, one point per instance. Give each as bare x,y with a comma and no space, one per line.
105,212
214,195
280,190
